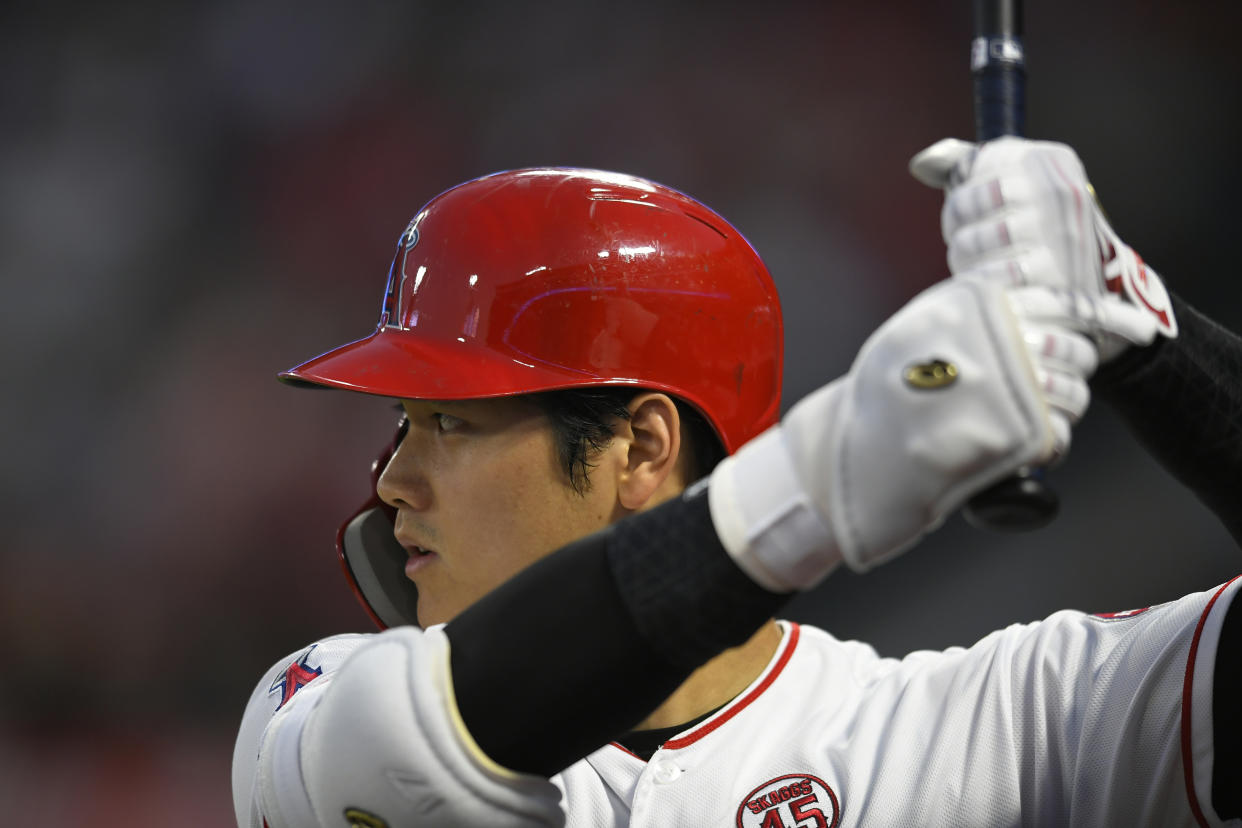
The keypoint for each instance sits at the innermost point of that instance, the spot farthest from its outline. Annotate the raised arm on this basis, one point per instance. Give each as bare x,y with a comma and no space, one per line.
837,480
1023,212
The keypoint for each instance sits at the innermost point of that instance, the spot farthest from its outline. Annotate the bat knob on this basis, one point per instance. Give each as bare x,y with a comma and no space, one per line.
1017,504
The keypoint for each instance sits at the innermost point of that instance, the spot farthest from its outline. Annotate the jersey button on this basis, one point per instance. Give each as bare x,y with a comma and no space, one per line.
665,772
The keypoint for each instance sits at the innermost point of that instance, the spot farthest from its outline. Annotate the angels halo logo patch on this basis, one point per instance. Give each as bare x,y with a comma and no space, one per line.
795,800
390,314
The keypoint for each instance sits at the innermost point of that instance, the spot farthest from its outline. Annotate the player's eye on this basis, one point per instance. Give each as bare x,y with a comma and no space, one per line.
403,424
447,422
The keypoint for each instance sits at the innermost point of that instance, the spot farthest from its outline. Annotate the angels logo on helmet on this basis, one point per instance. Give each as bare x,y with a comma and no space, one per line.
390,317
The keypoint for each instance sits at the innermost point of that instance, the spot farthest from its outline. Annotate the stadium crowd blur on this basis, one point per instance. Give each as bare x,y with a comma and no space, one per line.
195,196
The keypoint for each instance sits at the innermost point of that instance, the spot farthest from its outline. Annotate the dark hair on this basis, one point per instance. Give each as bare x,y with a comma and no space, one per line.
582,420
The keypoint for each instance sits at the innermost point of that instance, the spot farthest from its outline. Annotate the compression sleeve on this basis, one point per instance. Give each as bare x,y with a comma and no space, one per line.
1183,399
591,639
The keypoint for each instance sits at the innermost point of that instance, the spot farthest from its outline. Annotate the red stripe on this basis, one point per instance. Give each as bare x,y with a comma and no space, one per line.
707,727
622,747
1187,761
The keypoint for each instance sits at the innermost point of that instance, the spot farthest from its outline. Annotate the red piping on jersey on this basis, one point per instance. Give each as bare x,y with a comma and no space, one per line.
622,747
1187,685
710,725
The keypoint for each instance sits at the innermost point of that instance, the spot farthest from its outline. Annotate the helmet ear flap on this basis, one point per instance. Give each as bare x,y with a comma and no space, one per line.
374,563
371,558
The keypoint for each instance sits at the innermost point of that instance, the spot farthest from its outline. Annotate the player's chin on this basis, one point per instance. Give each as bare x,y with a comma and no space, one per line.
440,606
427,618
431,611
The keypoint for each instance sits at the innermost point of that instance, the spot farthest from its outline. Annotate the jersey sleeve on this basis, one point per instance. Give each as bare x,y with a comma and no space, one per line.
284,688
365,730
1111,714
1077,719
1137,723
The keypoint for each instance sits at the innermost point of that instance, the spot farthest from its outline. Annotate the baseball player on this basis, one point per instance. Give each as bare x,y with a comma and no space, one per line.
591,515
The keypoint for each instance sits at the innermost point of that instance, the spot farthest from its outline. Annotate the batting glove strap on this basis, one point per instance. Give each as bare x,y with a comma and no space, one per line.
765,518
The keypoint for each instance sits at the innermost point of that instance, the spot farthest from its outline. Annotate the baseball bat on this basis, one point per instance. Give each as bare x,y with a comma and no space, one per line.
998,67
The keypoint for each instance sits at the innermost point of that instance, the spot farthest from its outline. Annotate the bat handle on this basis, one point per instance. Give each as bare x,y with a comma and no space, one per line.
1019,503
1000,87
998,65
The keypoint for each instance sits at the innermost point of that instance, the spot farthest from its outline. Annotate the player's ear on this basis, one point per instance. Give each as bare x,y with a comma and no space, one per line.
653,444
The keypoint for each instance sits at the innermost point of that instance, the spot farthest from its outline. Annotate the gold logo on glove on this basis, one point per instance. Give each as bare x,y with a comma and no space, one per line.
358,818
929,375
1096,199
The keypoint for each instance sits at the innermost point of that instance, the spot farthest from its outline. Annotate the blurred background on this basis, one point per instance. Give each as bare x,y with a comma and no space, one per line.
195,196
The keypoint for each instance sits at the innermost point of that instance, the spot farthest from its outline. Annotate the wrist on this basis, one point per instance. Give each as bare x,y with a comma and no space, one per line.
1125,363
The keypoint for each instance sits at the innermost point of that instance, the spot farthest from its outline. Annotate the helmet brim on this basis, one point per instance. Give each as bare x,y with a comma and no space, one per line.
400,366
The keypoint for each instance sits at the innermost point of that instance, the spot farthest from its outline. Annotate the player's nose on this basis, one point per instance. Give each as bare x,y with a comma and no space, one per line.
403,483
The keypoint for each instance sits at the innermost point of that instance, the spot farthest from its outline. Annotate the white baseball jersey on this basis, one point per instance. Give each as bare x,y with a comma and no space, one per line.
1078,719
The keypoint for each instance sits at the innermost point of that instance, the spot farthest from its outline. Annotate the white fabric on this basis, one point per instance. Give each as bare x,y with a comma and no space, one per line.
379,733
1072,721
1023,212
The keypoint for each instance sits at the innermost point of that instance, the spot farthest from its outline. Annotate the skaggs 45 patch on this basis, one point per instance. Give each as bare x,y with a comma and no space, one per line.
795,800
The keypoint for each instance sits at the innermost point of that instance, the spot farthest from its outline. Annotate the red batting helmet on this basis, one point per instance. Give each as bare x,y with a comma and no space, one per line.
541,279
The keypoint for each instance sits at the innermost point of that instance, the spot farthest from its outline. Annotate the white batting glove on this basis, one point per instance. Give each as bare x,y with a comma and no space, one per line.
1022,212
964,385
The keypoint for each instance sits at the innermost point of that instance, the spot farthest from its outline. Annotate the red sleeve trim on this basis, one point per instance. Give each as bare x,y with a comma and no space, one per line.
1187,724
728,713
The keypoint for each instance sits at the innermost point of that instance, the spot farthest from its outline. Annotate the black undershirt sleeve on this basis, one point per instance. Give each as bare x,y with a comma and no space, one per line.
591,639
1183,400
